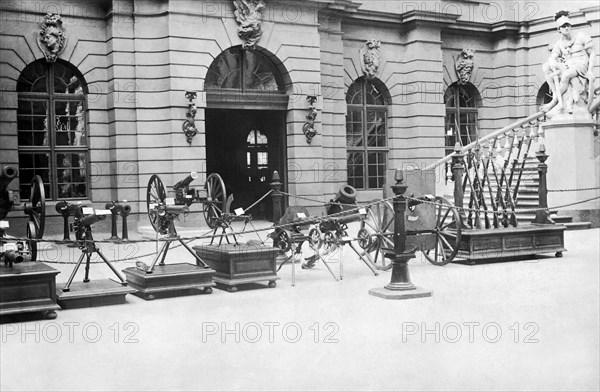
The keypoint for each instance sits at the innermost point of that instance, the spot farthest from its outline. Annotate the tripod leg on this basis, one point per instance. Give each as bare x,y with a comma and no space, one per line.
112,267
327,266
198,259
88,259
164,256
68,285
365,260
149,270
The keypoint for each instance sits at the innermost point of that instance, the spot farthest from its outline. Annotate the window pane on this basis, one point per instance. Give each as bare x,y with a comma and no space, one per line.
70,123
354,95
33,78
31,126
376,134
374,95
225,71
262,158
259,74
71,175
354,132
356,169
376,169
65,80
31,164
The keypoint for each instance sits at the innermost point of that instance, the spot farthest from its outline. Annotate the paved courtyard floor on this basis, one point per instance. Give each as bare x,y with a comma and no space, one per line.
521,325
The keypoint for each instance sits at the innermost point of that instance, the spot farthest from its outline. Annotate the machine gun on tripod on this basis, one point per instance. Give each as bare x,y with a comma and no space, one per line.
82,227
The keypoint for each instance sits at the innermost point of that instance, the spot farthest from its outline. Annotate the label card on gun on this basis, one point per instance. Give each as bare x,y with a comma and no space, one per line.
239,211
103,212
4,225
301,215
87,210
362,211
170,201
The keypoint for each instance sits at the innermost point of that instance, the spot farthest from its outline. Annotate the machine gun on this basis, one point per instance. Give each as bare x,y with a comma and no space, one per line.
7,174
82,227
118,209
183,193
36,210
67,210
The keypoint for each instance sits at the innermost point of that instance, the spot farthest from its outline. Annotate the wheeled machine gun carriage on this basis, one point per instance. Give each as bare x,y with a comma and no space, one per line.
35,209
216,204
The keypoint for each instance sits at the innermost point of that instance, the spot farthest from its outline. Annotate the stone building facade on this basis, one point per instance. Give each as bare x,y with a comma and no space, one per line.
393,83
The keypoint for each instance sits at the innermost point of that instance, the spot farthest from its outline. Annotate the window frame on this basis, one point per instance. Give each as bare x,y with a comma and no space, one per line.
365,108
53,149
457,111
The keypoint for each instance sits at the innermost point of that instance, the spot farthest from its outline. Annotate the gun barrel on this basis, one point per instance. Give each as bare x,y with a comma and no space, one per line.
91,219
7,174
177,209
186,181
14,257
114,207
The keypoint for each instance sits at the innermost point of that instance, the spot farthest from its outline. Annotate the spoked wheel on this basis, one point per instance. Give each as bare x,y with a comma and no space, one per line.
379,224
447,233
216,196
32,237
314,238
37,209
155,194
283,241
364,239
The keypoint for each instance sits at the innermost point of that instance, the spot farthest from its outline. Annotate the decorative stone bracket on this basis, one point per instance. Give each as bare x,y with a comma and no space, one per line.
309,126
189,125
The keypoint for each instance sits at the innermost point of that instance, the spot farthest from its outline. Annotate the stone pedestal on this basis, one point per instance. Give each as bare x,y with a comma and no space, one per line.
573,163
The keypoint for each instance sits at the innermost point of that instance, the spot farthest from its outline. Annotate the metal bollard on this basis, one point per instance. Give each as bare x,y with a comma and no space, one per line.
542,216
276,195
400,286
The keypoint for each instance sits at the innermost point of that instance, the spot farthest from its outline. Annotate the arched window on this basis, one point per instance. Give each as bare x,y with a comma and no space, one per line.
544,95
243,70
257,157
366,133
52,130
461,115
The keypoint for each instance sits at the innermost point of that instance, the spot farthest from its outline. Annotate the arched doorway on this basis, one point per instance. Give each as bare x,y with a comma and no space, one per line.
245,124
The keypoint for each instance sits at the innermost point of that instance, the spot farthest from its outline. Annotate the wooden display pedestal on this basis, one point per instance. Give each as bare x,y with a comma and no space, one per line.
240,264
28,287
93,293
495,244
170,280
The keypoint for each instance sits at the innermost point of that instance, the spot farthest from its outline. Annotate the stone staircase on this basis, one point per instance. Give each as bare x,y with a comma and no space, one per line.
528,199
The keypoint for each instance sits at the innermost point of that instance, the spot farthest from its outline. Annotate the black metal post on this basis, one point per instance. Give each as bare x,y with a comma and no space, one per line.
276,196
458,170
400,286
542,216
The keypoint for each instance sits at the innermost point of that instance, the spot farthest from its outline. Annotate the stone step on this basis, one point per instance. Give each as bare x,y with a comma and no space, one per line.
578,225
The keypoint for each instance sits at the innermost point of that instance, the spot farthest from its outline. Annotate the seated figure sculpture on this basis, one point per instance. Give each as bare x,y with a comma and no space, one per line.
569,68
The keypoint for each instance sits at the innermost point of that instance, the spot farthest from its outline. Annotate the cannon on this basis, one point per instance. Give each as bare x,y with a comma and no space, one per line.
433,224
36,209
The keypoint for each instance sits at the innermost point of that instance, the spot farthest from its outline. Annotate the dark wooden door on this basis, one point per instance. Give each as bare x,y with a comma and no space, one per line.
245,147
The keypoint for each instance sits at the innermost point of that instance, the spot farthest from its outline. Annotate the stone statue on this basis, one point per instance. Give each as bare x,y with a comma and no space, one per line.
464,65
51,37
371,58
249,14
569,70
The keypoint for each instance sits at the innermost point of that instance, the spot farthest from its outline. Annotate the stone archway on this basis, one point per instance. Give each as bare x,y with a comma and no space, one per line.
245,124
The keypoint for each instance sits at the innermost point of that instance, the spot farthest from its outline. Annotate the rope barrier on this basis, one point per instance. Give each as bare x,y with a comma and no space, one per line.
304,221
574,190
